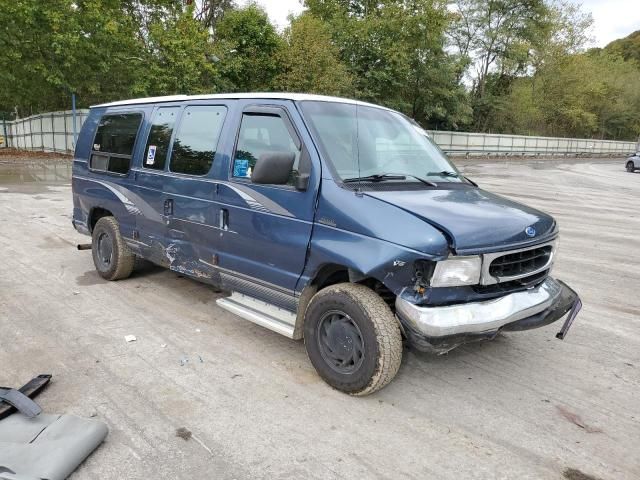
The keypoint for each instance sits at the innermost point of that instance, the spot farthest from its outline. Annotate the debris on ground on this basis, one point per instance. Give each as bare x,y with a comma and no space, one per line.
130,338
577,420
29,391
183,433
575,474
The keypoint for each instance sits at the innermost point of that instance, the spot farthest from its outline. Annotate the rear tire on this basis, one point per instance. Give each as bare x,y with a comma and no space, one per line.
352,338
630,167
111,256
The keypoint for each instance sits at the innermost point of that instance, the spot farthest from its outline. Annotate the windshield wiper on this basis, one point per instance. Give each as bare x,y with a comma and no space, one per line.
378,177
381,177
443,173
447,173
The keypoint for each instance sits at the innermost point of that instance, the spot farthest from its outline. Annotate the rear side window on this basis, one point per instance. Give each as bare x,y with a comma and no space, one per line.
157,149
197,139
114,141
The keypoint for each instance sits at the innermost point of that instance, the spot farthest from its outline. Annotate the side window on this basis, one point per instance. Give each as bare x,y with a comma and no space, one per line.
260,134
157,149
113,144
197,139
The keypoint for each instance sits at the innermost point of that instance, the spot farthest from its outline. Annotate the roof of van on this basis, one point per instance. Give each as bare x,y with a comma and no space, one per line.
233,96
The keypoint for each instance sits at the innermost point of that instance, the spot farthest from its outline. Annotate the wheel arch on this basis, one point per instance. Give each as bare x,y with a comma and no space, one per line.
329,274
95,214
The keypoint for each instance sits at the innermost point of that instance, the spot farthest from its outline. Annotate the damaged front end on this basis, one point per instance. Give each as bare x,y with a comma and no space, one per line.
471,298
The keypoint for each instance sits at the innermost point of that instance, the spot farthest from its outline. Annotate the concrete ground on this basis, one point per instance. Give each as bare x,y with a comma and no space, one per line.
524,406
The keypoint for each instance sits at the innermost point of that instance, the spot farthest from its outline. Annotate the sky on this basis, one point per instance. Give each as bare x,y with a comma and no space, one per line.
612,18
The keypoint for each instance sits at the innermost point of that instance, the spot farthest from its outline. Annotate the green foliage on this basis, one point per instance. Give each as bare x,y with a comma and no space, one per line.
59,46
628,47
591,94
394,50
247,45
309,60
179,56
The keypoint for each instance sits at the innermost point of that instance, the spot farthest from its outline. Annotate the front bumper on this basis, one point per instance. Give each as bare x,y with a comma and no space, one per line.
440,329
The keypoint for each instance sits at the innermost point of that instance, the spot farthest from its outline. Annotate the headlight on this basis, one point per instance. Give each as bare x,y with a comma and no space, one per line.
457,271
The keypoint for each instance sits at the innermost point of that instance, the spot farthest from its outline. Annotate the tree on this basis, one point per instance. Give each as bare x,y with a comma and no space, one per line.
394,50
496,34
180,55
210,12
246,46
591,94
61,46
628,47
310,61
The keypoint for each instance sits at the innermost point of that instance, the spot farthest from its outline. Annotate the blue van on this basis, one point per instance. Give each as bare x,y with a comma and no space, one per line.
327,219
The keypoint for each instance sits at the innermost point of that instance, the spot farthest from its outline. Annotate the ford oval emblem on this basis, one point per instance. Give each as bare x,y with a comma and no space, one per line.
530,231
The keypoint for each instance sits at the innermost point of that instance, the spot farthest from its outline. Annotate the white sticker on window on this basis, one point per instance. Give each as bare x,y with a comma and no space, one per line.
151,155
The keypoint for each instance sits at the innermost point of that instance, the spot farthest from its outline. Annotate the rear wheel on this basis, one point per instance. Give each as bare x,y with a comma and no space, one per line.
111,256
630,167
352,338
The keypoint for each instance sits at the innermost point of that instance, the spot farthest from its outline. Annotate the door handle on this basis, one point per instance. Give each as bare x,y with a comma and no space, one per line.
168,207
223,219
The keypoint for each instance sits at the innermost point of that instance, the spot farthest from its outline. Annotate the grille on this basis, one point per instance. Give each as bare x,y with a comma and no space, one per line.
520,263
512,285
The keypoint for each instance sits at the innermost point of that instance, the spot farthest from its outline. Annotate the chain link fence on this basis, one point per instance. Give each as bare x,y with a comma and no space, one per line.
53,132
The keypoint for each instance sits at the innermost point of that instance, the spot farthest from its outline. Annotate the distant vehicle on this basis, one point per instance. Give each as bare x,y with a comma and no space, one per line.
633,162
327,219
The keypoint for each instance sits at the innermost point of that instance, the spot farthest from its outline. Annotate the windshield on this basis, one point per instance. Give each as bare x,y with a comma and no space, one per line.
362,141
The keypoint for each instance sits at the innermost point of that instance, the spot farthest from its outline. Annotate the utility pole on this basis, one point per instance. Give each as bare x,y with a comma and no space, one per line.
73,113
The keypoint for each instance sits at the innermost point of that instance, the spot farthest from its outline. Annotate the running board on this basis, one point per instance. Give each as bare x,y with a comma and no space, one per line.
262,313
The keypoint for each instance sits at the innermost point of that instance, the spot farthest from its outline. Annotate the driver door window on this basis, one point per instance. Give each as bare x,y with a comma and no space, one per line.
259,135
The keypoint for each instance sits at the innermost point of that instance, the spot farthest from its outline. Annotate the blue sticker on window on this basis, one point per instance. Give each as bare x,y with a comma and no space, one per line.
240,168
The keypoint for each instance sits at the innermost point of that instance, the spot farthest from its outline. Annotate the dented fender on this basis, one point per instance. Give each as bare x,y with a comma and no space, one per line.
391,264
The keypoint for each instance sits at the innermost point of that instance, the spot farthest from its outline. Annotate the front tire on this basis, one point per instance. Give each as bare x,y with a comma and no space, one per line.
111,256
630,167
352,338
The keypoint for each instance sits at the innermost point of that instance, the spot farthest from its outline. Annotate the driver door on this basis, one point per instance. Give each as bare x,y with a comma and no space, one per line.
265,229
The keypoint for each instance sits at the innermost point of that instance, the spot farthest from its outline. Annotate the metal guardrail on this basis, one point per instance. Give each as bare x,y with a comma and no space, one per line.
464,143
53,132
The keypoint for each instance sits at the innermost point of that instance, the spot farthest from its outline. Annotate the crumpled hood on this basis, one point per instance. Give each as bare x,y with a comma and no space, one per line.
474,220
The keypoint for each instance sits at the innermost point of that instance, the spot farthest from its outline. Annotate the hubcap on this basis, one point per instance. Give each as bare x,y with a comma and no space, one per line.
105,251
340,341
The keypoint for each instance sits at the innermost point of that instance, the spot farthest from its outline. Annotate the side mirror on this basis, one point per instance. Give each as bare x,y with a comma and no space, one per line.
273,168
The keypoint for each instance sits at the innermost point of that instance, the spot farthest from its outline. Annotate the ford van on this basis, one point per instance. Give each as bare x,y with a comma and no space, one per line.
326,219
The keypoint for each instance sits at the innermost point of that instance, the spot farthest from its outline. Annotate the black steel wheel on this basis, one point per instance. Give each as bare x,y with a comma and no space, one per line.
630,167
104,251
340,342
111,256
352,338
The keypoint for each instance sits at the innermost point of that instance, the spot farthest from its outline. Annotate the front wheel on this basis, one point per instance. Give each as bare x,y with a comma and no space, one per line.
630,167
352,338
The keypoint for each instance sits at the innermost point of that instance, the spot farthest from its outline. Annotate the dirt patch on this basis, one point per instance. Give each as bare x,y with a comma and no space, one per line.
577,420
15,154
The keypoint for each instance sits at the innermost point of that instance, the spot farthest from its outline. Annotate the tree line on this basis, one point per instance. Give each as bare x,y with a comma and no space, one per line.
502,66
